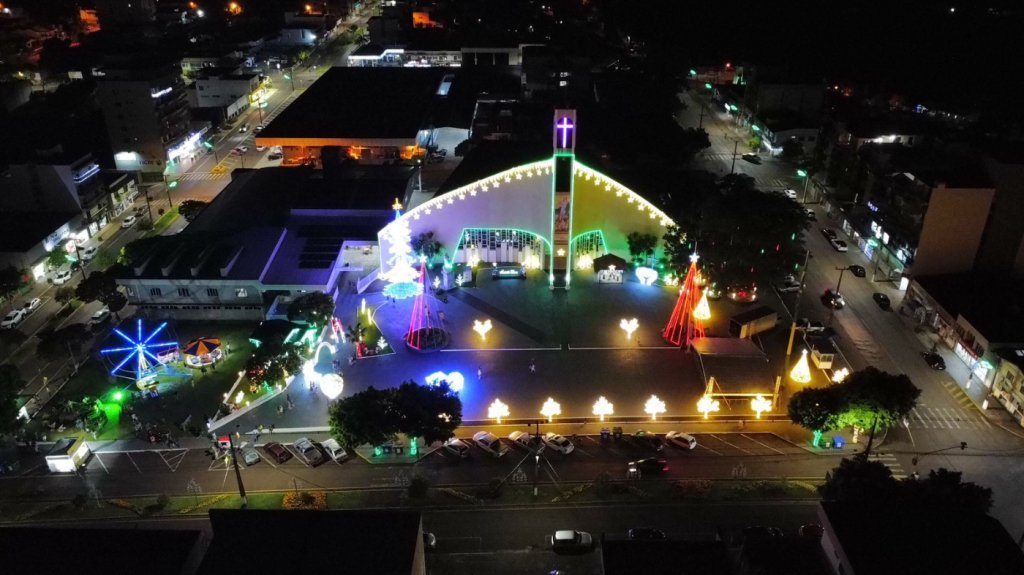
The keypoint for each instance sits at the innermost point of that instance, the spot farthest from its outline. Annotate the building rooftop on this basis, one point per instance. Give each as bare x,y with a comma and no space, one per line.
992,303
71,550
22,230
366,103
884,540
365,542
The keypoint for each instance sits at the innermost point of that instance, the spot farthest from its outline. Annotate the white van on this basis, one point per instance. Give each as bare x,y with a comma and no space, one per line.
490,443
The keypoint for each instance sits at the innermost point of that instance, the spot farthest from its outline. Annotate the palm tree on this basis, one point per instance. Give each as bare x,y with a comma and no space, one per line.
355,333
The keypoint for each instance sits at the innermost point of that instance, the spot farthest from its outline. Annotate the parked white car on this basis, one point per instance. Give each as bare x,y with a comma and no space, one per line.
457,447
521,438
12,319
490,443
570,541
680,439
62,277
88,253
32,305
558,443
334,450
308,452
128,222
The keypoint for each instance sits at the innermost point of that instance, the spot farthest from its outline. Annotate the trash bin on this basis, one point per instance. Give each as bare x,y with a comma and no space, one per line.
838,442
605,433
828,444
617,433
399,450
387,450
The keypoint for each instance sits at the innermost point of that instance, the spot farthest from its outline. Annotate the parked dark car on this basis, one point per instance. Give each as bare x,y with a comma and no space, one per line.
934,360
277,452
829,233
858,271
649,465
882,300
648,440
833,299
646,534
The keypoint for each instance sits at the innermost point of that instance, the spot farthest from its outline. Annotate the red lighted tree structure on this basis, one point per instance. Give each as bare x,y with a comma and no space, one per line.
423,333
684,325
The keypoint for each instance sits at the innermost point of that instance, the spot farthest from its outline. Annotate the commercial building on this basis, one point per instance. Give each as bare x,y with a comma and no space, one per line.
147,117
225,91
303,230
375,115
974,314
777,130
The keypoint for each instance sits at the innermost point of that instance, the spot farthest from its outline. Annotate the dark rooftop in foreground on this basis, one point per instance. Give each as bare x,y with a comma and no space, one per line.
886,539
363,103
36,550
666,557
992,303
363,542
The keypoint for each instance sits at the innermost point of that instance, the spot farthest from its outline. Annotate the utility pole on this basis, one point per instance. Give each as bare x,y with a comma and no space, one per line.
796,307
735,148
536,456
238,474
832,308
700,125
81,264
149,208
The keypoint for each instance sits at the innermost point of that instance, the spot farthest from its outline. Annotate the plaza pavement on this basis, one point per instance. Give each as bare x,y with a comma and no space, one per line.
573,339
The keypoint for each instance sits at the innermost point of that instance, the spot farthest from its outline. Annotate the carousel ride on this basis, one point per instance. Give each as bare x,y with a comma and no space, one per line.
144,360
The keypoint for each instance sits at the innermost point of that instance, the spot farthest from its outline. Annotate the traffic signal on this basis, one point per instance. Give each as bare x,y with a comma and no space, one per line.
802,173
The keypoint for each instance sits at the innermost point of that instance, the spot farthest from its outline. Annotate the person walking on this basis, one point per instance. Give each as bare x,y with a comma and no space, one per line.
480,373
533,366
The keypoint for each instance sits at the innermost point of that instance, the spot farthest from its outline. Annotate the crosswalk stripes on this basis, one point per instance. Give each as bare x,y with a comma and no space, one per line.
204,176
890,461
958,394
922,417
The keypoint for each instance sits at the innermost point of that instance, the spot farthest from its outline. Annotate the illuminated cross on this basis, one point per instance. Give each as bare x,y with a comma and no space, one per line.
565,126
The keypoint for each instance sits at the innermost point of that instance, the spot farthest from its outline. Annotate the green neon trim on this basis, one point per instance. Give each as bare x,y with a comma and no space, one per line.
572,208
458,245
551,215
604,243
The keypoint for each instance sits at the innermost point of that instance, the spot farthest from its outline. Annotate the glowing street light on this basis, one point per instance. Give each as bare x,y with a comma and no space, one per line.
497,410
801,372
629,326
707,404
482,327
603,407
234,9
550,409
654,406
759,404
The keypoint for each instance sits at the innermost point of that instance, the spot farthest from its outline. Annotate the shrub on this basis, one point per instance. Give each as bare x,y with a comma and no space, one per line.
162,501
418,487
305,500
692,488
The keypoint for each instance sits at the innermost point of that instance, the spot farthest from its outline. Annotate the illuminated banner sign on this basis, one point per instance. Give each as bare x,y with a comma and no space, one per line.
609,276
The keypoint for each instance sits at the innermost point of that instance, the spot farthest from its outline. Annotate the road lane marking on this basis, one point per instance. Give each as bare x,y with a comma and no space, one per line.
129,456
178,457
919,418
759,443
729,444
952,417
103,465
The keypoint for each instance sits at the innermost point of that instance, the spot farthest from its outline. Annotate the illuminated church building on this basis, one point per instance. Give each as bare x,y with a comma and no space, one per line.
556,214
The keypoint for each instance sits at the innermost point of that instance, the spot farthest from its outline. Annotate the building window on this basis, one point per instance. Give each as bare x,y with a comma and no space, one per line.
184,292
155,292
240,292
212,292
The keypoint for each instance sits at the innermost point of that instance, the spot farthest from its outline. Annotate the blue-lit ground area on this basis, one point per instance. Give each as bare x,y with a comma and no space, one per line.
573,340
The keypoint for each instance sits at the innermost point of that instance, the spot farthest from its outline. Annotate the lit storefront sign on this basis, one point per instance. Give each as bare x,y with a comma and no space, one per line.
185,147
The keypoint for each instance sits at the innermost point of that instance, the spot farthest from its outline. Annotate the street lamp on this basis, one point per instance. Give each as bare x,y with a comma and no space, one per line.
807,178
550,409
238,474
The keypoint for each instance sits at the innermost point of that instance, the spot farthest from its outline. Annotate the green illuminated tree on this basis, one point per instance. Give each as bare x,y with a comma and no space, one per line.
56,259
865,399
641,246
816,409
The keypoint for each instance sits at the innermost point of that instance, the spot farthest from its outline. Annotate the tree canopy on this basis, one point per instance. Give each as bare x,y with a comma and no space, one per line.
859,480
189,209
10,386
10,281
425,244
55,344
375,415
866,398
641,246
315,307
100,286
742,234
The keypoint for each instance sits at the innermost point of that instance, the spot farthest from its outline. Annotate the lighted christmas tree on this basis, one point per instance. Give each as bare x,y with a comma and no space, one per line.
423,334
401,275
687,320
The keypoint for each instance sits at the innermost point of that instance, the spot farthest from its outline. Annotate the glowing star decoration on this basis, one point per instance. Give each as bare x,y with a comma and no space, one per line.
560,252
454,380
840,374
760,405
482,327
801,372
401,274
703,311
646,275
584,262
331,385
550,409
603,407
497,410
654,406
707,404
629,326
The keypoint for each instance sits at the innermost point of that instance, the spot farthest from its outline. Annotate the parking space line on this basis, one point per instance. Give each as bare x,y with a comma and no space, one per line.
178,457
295,456
103,465
702,446
759,443
129,456
729,444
